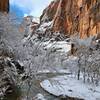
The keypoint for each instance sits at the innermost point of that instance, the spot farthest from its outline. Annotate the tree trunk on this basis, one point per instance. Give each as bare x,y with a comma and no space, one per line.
78,75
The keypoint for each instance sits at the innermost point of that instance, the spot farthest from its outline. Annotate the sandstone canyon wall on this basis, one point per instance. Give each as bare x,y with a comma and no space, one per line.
4,6
71,17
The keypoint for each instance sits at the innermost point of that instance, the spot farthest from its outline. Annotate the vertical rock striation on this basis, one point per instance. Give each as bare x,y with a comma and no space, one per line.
71,17
4,6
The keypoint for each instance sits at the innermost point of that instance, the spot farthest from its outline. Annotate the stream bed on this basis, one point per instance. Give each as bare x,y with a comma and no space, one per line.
32,87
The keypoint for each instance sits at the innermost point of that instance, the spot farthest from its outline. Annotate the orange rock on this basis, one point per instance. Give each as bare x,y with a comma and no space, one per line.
74,16
4,6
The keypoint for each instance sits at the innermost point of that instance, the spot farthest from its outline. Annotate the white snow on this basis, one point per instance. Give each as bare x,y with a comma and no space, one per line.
21,63
25,39
61,71
44,26
69,86
63,46
39,96
36,19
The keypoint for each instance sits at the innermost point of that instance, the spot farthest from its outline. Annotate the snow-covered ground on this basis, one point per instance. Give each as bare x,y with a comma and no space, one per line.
69,86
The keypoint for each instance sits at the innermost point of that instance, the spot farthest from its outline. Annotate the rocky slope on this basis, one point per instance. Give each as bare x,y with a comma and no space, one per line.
10,71
4,5
71,17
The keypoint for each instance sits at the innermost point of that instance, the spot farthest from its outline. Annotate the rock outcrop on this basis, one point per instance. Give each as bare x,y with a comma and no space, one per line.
10,72
8,87
4,6
71,17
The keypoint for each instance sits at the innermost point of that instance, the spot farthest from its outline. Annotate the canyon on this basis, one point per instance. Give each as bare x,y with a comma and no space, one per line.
71,17
74,17
40,61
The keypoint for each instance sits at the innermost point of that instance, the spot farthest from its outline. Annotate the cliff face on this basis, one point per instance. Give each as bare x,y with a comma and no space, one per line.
4,6
71,17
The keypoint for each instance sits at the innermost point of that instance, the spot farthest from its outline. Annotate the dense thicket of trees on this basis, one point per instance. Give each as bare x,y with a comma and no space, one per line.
88,53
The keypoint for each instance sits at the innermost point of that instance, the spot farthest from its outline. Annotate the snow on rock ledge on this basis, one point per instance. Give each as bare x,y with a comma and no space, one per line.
67,86
63,46
45,25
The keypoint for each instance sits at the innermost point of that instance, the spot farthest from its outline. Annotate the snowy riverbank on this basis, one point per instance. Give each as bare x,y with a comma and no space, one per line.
69,86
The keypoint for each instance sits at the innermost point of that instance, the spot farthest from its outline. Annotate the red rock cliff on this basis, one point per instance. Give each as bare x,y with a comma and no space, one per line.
74,16
4,5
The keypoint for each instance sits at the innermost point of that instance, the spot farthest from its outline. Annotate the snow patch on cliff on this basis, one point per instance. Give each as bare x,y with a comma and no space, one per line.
45,25
62,46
